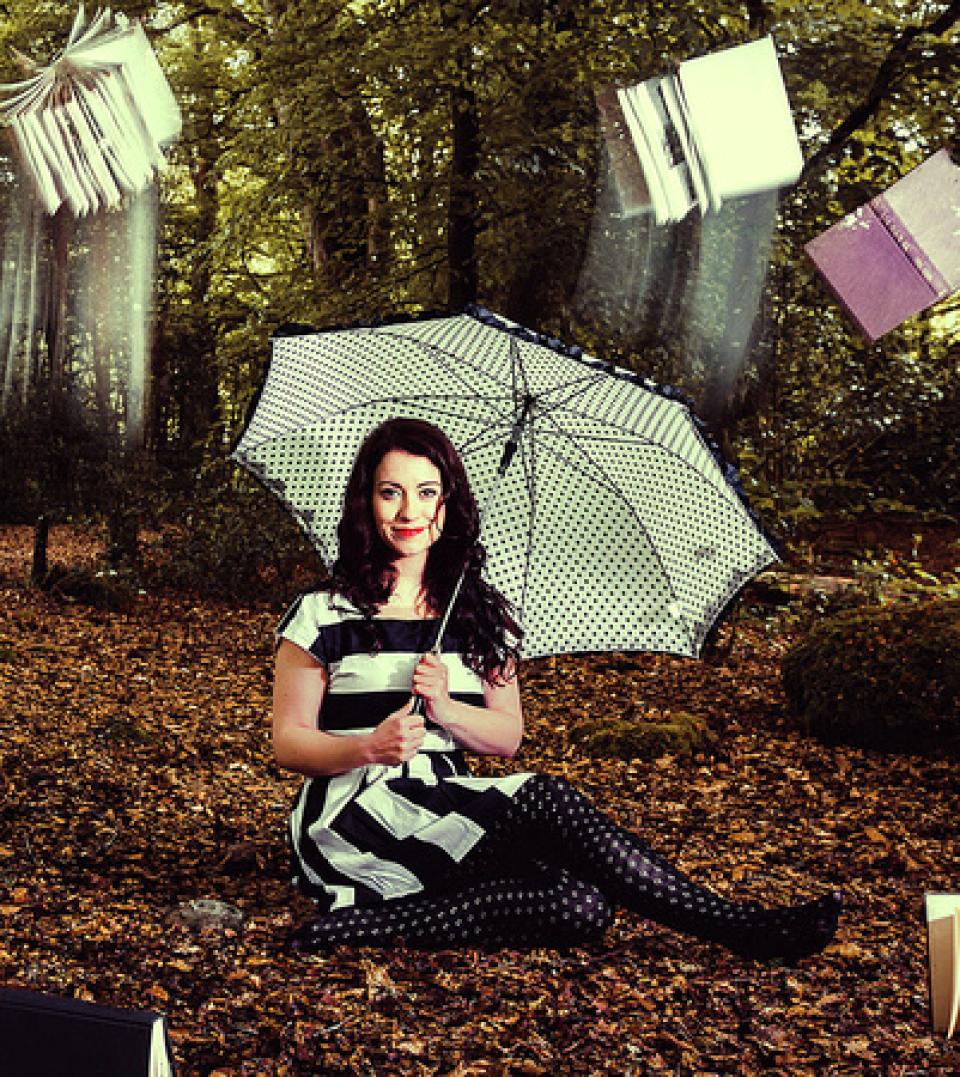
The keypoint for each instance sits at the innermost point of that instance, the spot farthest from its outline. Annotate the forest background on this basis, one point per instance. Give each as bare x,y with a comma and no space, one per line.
354,161
346,162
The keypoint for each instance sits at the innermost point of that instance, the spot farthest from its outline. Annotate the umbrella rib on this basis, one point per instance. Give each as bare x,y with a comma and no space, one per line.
450,361
581,385
530,475
427,402
646,439
602,479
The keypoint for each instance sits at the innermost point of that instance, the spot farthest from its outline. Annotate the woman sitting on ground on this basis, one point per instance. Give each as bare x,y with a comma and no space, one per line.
391,834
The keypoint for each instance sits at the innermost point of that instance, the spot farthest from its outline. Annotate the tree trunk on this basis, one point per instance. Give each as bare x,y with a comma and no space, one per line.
41,535
462,211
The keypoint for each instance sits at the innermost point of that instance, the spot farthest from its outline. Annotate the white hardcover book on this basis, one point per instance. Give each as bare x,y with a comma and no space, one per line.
741,120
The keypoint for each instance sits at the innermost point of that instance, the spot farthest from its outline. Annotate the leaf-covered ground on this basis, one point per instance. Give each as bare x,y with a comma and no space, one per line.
136,776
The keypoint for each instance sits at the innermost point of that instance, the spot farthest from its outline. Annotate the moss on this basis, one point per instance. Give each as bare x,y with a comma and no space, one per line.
883,677
627,738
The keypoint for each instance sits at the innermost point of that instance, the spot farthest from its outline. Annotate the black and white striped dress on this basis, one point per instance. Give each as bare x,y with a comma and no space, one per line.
382,832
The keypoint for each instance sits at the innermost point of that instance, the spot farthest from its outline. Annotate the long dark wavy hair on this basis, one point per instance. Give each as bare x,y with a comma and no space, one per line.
364,573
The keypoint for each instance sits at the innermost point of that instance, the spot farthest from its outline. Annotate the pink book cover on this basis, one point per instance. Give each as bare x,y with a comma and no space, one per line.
899,253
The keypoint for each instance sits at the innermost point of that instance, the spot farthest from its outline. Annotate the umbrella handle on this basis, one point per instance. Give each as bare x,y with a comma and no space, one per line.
419,705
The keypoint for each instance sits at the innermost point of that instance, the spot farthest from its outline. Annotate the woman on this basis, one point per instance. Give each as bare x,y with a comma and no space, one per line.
391,835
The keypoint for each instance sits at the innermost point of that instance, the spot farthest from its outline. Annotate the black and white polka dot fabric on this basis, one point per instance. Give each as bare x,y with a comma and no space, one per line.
614,527
551,872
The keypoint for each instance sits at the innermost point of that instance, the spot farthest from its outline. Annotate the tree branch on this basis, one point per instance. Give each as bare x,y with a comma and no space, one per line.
229,14
883,80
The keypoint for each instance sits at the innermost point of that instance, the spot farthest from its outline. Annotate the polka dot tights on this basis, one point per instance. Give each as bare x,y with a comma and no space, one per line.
585,866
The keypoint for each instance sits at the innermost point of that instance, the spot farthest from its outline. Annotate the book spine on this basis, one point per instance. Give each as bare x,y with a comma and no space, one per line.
910,247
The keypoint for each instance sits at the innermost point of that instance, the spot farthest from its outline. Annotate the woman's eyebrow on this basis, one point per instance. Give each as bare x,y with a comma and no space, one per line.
420,485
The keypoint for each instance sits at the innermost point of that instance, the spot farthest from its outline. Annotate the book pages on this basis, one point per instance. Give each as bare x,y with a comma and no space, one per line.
741,120
677,111
943,939
92,124
926,204
630,104
668,148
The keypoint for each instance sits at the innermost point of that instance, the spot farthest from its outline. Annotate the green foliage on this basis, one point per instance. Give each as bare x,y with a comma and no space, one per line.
881,676
681,734
231,540
315,182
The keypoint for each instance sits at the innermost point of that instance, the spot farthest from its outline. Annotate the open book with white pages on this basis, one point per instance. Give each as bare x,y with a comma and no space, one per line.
91,125
720,127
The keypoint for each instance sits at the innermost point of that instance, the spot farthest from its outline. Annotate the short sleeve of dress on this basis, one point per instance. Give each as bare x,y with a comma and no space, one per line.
303,622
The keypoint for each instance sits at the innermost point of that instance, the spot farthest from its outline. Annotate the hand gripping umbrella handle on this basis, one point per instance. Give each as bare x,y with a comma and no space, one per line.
419,703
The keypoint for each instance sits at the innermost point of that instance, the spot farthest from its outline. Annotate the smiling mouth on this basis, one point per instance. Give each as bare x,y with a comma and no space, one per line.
407,532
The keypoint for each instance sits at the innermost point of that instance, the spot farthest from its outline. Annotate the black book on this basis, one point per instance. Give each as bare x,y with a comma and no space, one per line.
48,1036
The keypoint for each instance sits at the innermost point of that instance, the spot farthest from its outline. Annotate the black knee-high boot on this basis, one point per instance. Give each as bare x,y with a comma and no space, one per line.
552,821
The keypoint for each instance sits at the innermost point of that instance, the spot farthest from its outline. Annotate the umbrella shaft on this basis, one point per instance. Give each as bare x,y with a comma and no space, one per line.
508,453
511,446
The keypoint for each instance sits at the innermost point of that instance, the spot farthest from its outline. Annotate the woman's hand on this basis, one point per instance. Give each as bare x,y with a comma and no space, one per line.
431,683
397,738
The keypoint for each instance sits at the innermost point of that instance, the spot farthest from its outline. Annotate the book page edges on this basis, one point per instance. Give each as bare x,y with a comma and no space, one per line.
943,943
906,241
658,196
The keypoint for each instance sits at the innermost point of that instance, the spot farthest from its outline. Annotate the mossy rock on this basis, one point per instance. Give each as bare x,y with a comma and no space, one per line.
683,735
884,677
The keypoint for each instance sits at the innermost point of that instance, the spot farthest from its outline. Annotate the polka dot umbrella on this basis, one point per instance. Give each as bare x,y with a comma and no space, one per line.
608,520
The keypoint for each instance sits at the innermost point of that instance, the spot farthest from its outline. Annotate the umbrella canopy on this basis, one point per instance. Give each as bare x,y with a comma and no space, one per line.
614,527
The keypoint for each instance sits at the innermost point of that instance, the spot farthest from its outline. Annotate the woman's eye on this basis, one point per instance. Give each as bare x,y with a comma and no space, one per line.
429,494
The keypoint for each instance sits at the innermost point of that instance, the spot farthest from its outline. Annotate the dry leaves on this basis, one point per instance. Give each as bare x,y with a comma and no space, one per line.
136,778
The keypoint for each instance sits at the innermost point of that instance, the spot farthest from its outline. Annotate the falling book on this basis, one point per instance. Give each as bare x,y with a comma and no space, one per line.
943,939
90,125
46,1036
900,252
719,128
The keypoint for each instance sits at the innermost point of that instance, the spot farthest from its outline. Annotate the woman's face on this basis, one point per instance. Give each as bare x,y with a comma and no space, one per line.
408,510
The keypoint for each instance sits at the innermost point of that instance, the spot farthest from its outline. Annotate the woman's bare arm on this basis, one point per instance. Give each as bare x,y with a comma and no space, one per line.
300,684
